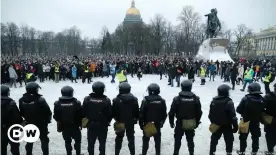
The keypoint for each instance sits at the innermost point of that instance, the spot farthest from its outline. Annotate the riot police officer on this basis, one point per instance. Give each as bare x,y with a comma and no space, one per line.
153,113
9,115
187,109
68,114
97,109
270,125
251,108
125,111
35,110
222,115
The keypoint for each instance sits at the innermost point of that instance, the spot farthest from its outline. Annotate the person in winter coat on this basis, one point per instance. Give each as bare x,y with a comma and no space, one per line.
40,72
125,110
74,74
251,108
172,74
104,71
248,77
56,71
240,74
267,81
262,69
10,115
203,74
44,70
223,119
153,112
179,72
191,74
93,68
270,126
113,72
19,72
227,73
161,70
139,73
47,68
13,76
121,75
233,76
212,69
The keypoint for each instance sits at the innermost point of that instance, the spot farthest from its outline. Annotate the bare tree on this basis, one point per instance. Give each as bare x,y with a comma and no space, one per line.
13,34
4,38
158,32
169,40
189,24
241,33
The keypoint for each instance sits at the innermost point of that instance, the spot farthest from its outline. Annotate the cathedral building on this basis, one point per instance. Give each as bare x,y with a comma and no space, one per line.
133,15
132,26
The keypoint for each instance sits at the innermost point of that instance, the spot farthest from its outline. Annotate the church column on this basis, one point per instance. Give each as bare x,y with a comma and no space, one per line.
261,44
273,43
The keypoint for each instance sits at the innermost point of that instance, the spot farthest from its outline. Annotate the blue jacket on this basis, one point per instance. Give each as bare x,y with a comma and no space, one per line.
248,75
112,69
74,71
212,68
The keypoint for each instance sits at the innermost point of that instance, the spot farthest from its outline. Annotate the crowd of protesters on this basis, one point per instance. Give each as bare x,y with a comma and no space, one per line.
42,68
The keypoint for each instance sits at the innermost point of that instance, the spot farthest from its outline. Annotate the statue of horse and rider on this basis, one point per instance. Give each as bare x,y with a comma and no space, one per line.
213,24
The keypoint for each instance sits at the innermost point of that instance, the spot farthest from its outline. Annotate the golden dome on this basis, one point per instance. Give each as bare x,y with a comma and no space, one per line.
133,11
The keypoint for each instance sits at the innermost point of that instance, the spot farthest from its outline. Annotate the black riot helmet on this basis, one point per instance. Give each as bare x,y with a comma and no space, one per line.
186,85
124,88
98,87
153,89
5,90
67,92
254,88
32,88
223,90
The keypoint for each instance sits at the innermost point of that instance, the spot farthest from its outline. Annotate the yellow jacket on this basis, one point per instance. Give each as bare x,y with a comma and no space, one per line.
267,78
121,76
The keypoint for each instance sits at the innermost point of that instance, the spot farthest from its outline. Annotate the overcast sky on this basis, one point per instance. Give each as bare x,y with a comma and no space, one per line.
90,15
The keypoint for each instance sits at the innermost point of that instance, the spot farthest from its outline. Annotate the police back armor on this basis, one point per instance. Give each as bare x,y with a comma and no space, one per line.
254,108
186,107
9,112
34,109
97,110
68,112
154,109
219,111
126,109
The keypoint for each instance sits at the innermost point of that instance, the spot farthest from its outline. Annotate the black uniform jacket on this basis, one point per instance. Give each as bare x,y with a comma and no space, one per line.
98,110
153,109
251,107
185,106
222,111
125,109
34,109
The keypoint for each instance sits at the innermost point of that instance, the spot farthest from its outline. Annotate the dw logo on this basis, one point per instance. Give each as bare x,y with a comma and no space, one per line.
29,133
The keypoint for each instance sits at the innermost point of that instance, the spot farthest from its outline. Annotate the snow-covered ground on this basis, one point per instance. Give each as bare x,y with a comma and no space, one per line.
51,92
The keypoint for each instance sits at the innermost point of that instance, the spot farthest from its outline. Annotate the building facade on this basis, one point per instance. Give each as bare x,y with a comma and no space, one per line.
266,42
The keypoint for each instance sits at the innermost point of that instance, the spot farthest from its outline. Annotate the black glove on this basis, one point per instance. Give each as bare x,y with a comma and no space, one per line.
172,125
161,124
235,127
